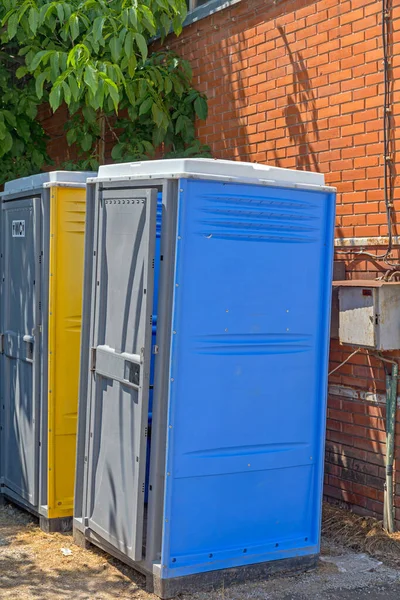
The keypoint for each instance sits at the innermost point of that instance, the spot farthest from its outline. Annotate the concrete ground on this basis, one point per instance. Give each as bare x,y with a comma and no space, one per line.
35,566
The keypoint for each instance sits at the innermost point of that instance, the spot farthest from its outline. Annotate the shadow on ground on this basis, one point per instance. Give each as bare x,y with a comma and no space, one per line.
32,565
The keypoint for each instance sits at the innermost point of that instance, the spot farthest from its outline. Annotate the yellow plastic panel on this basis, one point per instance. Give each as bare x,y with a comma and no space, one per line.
67,226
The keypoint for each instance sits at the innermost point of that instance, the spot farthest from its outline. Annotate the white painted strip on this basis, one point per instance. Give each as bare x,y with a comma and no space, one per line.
362,242
348,392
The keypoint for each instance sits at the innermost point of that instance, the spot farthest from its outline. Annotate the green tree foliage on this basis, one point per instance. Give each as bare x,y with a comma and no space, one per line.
22,139
92,55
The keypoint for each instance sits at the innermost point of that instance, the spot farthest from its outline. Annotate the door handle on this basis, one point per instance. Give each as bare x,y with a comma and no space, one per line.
29,340
123,367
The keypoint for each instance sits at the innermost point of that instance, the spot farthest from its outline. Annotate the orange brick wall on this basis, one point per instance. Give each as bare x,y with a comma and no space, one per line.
299,84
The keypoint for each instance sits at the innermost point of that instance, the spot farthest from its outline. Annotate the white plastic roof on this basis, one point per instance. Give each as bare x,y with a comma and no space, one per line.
46,179
206,168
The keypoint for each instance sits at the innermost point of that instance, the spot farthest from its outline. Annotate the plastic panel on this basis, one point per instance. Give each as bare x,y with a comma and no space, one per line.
209,168
248,374
20,386
119,390
67,227
52,177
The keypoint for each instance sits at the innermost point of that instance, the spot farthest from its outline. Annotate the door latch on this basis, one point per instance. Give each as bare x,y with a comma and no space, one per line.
93,359
29,340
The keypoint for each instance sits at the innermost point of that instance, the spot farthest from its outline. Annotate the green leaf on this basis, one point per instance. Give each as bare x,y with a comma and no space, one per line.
177,24
86,142
6,143
99,98
142,45
132,64
128,46
9,117
67,92
168,86
178,87
148,146
12,25
180,124
42,13
40,79
158,115
21,72
98,25
166,23
38,59
150,18
201,108
23,129
89,114
31,111
74,87
116,48
133,17
91,78
55,97
3,129
74,26
33,20
113,92
146,105
54,65
60,12
117,151
71,136
37,158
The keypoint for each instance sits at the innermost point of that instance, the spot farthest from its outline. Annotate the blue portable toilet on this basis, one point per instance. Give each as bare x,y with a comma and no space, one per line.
235,377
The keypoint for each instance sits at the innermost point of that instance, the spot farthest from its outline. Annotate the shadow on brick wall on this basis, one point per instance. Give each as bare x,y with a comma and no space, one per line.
301,104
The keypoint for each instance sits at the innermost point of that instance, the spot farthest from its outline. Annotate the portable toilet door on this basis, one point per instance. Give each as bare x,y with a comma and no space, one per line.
42,255
236,449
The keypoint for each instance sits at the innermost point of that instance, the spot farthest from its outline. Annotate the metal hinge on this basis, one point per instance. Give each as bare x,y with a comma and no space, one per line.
92,359
155,349
1,343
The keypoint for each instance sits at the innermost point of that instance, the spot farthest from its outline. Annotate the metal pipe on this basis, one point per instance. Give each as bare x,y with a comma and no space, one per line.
390,440
391,408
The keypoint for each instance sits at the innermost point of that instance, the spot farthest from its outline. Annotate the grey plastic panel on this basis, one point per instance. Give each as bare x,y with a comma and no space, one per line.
85,378
43,349
41,179
161,377
20,382
121,338
209,169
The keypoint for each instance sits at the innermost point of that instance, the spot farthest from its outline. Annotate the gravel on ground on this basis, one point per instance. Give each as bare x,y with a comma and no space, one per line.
37,566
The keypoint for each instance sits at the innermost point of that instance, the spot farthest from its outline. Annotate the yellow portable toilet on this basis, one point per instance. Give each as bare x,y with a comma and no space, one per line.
42,258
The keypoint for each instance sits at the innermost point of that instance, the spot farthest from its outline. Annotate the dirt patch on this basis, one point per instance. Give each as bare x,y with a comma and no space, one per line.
37,566
363,534
33,566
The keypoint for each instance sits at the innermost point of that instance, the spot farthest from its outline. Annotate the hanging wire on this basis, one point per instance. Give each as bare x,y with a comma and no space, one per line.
345,361
388,143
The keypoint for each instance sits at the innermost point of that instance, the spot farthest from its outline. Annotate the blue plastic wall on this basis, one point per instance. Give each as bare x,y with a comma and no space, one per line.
157,259
155,295
247,395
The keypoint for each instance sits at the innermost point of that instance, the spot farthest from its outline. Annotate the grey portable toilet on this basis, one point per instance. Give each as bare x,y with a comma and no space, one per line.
204,360
42,257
